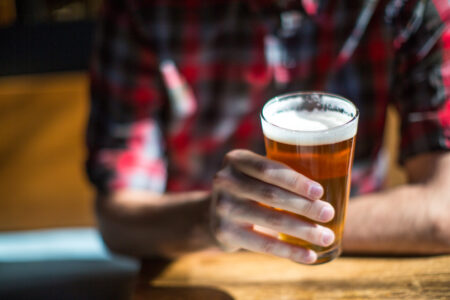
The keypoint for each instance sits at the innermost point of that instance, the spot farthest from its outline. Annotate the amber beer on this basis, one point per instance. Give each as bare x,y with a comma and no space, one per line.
314,133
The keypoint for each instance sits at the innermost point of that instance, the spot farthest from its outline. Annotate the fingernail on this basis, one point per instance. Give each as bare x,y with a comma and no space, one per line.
327,237
326,214
315,191
310,257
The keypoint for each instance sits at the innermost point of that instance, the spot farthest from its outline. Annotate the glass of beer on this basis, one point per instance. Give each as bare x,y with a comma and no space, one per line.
314,134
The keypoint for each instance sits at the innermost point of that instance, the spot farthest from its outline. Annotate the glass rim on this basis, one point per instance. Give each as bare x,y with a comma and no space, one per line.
277,98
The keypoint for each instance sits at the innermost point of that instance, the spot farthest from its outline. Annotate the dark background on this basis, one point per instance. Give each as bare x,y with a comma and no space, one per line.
39,36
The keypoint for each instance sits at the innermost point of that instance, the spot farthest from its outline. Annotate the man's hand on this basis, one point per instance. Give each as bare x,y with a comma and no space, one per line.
246,191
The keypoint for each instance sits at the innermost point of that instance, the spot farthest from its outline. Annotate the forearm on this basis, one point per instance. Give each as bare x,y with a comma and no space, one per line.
144,224
411,219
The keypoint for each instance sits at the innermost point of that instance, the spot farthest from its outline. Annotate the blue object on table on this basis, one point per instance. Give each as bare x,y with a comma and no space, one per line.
63,264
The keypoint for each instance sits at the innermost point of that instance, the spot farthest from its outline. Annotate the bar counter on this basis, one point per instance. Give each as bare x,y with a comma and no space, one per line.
246,275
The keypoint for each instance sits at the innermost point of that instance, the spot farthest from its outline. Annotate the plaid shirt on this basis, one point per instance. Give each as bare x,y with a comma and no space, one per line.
177,84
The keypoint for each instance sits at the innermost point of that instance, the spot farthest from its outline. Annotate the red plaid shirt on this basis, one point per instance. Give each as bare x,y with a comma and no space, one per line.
177,84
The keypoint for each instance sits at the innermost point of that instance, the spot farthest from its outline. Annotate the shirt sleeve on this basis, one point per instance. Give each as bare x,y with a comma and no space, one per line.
124,135
421,83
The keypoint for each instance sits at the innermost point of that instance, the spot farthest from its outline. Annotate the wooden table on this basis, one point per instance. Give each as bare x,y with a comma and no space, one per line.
245,275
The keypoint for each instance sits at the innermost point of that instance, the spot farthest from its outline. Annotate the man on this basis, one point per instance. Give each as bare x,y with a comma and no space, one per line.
174,129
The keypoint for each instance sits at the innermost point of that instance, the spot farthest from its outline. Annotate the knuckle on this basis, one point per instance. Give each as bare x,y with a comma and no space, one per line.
275,219
228,237
217,180
297,182
312,233
224,232
224,173
222,177
222,206
232,209
233,154
235,209
268,193
223,236
261,166
307,207
267,246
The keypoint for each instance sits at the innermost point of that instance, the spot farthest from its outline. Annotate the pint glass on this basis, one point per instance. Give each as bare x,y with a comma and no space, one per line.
314,134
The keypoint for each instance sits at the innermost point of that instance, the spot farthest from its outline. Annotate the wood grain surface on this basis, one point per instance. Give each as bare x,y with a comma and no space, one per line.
250,276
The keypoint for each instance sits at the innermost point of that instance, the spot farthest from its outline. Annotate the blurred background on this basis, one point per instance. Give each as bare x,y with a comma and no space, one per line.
44,57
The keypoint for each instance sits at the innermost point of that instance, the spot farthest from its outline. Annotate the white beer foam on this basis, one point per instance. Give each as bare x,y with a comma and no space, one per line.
308,128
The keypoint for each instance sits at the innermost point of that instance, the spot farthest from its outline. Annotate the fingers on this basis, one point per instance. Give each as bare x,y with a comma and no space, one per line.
245,187
246,238
248,189
275,173
245,212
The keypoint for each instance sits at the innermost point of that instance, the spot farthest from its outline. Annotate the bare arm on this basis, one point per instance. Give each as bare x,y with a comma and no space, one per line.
144,224
411,219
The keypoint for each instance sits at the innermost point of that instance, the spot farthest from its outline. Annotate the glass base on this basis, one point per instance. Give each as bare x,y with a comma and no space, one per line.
329,255
324,254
